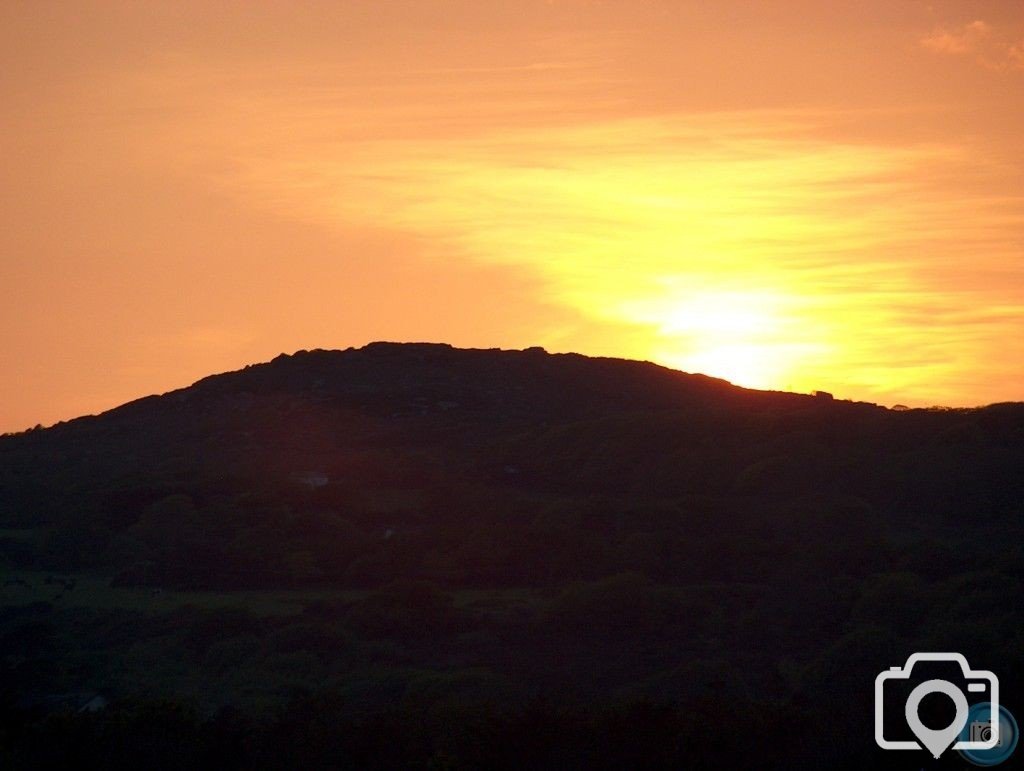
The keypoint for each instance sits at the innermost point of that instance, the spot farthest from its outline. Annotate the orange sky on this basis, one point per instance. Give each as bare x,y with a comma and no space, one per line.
790,195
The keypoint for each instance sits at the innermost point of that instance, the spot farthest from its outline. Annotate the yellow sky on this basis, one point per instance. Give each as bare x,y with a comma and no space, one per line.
795,195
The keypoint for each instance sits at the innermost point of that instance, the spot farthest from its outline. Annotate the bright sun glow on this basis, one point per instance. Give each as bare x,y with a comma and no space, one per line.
740,336
693,241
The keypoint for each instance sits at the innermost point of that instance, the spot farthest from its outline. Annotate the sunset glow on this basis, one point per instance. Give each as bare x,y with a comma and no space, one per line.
790,196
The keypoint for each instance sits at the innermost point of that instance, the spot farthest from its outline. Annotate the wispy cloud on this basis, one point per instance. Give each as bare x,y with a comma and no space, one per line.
964,40
986,44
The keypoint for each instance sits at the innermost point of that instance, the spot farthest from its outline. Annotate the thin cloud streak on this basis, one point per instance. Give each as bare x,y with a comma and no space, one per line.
990,47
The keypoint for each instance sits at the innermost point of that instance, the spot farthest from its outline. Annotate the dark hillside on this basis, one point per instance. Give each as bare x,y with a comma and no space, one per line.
385,538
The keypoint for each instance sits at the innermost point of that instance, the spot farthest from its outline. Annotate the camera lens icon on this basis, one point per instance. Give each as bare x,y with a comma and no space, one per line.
981,732
937,740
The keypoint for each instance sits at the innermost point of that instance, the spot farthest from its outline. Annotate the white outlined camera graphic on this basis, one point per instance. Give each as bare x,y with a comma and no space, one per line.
980,682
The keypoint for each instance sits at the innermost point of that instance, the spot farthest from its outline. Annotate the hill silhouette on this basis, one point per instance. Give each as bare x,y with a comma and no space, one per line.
386,537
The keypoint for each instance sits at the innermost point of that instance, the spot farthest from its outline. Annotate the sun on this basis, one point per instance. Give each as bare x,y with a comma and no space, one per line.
743,364
751,338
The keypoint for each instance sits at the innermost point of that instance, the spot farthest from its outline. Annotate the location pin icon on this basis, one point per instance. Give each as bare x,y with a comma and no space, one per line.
936,742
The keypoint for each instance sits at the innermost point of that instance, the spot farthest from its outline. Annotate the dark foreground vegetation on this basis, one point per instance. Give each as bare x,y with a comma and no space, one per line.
412,556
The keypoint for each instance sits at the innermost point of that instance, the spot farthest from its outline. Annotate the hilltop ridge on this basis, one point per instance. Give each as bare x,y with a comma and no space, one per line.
391,369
